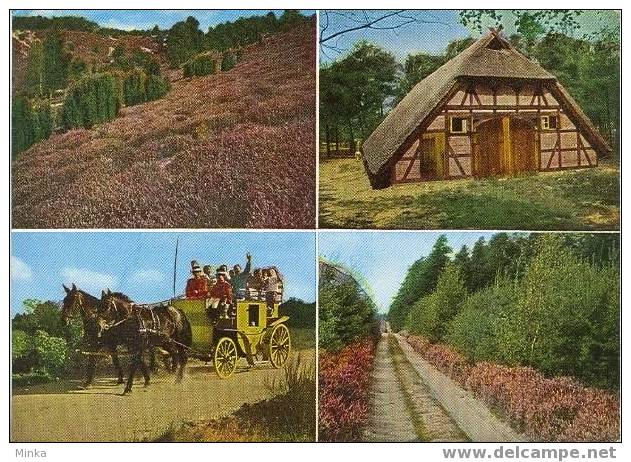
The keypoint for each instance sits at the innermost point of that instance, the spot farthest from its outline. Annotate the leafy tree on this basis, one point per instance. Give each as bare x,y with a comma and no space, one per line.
51,352
22,353
565,319
529,23
474,330
590,71
548,301
346,312
328,307
301,314
432,314
419,281
354,90
416,68
599,249
40,315
455,47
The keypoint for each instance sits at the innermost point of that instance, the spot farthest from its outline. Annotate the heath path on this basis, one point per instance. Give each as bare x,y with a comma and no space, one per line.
458,406
402,407
61,412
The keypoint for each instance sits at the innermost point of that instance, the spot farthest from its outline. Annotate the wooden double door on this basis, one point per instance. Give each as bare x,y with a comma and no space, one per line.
504,146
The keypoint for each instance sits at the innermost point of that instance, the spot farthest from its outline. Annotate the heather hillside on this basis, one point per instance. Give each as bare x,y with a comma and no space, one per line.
233,149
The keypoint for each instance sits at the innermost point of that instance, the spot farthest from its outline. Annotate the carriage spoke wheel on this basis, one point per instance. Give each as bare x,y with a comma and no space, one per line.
225,357
279,345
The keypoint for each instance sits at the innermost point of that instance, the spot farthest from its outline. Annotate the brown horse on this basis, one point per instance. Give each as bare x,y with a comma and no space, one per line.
142,328
80,303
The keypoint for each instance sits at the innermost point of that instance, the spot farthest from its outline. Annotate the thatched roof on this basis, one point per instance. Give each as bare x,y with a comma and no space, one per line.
491,56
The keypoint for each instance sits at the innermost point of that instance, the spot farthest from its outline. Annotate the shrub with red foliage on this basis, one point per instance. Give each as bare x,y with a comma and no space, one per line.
234,149
343,385
545,409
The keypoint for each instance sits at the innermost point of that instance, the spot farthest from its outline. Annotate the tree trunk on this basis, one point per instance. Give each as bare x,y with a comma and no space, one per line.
362,126
351,141
608,110
327,140
337,140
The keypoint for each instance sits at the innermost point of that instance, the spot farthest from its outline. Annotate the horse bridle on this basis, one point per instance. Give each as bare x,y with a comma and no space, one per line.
106,326
77,306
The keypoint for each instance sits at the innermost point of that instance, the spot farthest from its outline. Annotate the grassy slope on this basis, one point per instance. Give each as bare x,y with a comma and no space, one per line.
234,149
570,200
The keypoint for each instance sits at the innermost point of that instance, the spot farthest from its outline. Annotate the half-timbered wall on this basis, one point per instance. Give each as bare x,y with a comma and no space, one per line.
560,146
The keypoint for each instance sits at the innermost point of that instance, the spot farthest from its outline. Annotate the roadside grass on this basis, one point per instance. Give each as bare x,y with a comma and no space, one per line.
583,199
290,415
399,362
302,338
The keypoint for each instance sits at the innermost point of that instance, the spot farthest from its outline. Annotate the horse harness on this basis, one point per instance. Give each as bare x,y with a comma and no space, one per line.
145,327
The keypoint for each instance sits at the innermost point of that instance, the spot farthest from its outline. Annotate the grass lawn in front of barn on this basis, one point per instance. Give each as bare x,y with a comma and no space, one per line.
583,199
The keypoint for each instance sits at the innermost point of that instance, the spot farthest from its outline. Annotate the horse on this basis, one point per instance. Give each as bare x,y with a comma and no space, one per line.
80,303
142,327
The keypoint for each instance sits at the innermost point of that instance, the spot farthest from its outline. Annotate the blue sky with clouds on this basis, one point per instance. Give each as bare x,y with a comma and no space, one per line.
146,19
430,33
140,264
383,258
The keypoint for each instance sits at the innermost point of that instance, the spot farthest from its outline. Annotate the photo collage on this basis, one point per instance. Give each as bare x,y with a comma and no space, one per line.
315,226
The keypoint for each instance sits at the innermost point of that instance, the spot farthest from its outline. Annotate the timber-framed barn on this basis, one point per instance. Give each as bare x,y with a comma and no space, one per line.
489,111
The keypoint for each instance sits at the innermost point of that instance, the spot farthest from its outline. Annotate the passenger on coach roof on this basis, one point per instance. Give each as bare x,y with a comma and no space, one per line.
197,286
240,278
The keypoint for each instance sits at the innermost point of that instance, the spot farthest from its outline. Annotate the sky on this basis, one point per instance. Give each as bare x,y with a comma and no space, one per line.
140,264
383,258
431,33
146,19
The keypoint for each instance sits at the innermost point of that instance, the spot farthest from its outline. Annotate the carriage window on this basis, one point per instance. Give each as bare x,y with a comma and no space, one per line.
549,122
253,315
458,125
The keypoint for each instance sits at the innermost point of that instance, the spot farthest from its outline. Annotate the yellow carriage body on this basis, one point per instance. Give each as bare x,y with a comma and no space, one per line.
247,325
195,310
247,330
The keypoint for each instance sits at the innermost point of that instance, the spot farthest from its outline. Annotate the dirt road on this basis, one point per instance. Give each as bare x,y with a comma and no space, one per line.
402,407
469,413
62,412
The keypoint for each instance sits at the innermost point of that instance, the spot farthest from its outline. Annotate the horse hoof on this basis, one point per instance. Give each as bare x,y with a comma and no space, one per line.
126,392
146,384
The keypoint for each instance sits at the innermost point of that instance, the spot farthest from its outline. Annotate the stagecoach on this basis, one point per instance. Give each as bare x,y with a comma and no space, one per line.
248,329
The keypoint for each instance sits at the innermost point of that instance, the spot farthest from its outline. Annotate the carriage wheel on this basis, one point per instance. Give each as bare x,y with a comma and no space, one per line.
225,357
279,345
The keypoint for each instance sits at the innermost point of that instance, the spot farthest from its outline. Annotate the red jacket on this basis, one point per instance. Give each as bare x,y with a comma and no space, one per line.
222,290
197,288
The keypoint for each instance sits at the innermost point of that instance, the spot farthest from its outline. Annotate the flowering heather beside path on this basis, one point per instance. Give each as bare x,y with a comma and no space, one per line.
344,379
546,409
234,149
